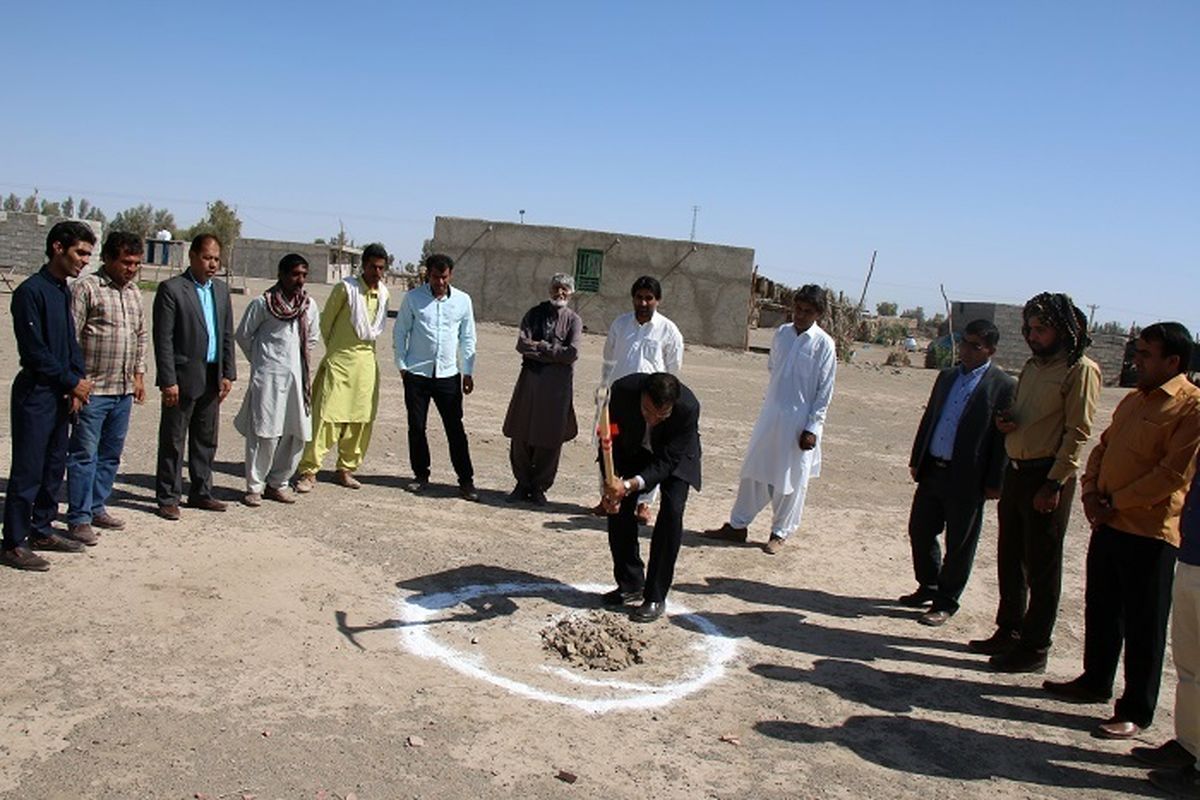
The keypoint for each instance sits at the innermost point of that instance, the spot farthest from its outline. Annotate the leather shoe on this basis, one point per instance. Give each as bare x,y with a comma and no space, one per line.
935,617
538,498
617,597
83,534
1183,782
1075,691
648,611
774,545
417,485
207,504
468,492
252,499
346,478
23,558
169,512
726,533
108,521
1019,659
518,494
1171,755
999,642
278,495
921,597
52,541
1116,728
306,483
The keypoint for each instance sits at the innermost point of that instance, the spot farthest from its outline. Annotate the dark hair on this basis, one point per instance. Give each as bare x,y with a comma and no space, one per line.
662,388
68,234
646,282
439,262
200,239
290,262
1060,313
1173,339
985,330
373,251
812,294
120,244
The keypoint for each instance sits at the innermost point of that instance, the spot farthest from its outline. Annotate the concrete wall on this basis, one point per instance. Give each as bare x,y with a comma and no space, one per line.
23,239
506,268
259,258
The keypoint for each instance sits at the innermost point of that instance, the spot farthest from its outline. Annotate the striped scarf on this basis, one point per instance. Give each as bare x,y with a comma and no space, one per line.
286,309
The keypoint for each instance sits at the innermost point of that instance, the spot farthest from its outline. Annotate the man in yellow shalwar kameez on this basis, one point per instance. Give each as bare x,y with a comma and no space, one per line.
345,395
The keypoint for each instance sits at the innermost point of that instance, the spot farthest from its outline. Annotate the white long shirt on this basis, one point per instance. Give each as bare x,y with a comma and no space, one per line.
274,401
802,367
656,346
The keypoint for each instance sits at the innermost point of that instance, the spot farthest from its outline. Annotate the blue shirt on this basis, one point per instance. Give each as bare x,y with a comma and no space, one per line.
208,305
942,444
432,333
45,331
1189,525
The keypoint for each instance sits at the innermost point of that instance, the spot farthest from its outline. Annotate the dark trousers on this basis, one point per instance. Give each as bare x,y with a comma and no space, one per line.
1029,556
664,542
447,395
1127,602
39,416
534,467
940,505
196,421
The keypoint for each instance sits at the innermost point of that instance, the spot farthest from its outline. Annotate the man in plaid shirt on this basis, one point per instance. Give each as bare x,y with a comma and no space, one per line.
111,327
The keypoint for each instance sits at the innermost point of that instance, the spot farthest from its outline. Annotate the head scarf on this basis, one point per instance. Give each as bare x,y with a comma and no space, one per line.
286,308
1059,312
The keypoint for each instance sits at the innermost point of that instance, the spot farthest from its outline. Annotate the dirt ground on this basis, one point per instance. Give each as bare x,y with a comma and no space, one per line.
385,645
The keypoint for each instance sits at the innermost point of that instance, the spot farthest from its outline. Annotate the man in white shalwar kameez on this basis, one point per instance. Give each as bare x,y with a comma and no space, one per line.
278,334
785,447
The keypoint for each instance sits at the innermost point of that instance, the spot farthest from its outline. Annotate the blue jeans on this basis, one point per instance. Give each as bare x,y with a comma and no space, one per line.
94,453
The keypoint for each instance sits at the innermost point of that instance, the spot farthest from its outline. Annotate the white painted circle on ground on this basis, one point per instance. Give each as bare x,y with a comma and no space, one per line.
417,609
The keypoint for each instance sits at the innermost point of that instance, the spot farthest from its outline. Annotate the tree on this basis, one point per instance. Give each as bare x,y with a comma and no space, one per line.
886,309
164,221
221,220
50,209
68,207
1118,328
31,205
138,220
12,202
90,212
917,313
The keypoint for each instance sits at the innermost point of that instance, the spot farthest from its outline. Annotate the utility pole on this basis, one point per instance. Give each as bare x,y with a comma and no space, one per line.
522,213
870,270
695,211
1092,316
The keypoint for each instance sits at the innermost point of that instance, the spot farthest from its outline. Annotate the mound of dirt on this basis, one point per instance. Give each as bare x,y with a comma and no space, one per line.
595,639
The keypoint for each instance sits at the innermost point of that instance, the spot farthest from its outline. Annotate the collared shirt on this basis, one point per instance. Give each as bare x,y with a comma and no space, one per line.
1189,525
1145,460
45,331
1054,409
435,336
112,332
942,444
656,346
208,305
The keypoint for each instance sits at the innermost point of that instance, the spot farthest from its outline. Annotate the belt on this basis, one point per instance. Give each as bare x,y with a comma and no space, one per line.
940,463
1031,463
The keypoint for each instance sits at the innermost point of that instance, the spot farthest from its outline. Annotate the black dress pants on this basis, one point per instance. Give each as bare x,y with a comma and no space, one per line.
939,505
1029,556
1127,602
39,415
655,582
447,395
194,420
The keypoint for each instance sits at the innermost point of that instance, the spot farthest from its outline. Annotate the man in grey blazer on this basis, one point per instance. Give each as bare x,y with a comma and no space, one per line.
196,366
958,462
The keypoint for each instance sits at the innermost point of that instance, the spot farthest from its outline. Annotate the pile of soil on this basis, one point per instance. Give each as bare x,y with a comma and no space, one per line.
595,639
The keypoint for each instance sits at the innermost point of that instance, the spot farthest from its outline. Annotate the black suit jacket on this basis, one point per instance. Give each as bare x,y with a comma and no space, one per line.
979,458
181,337
674,442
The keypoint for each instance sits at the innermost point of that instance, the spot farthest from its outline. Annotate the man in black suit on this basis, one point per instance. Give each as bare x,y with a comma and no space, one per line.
194,358
657,443
958,461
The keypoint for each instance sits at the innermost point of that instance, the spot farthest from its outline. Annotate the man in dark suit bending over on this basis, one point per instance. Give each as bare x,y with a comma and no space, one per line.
657,443
958,461
194,359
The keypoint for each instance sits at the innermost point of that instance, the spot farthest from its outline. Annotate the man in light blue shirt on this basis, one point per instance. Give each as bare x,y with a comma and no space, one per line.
435,353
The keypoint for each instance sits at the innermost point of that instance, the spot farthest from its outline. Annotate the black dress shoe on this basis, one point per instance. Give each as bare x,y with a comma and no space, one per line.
935,617
417,485
467,492
1075,691
1171,755
538,497
1019,659
921,597
648,611
518,494
618,597
999,642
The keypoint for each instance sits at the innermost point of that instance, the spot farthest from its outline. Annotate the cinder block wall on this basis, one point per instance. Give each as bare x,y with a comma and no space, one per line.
259,258
506,268
23,239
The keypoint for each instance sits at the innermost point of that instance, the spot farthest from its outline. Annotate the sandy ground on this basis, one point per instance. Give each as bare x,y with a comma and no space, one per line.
270,652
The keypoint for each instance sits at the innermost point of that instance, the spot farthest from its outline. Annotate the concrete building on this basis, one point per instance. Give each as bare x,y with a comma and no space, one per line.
23,239
259,258
506,268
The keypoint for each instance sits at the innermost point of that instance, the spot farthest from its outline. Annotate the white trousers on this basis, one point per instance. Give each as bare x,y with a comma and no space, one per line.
1185,647
753,496
271,461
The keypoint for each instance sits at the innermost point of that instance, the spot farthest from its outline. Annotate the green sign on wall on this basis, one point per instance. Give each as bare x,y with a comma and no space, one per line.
588,264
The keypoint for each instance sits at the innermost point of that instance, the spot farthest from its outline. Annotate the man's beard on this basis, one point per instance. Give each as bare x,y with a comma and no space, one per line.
1045,352
557,303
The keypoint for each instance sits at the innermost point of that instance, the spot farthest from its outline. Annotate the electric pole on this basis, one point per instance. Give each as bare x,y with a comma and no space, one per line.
1092,316
870,270
695,211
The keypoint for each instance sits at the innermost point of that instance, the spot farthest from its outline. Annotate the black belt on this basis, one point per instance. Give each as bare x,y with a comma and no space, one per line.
1031,463
940,463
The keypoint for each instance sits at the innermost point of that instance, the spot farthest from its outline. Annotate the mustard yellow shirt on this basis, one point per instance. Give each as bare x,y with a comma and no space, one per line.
1054,409
1144,462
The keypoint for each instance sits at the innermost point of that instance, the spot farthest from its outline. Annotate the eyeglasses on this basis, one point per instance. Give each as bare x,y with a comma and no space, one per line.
967,344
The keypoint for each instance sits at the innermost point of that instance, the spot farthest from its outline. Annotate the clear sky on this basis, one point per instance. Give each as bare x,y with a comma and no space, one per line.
1000,148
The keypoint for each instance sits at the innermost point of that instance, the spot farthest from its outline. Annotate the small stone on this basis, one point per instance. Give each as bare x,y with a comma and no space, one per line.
731,738
414,741
566,777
